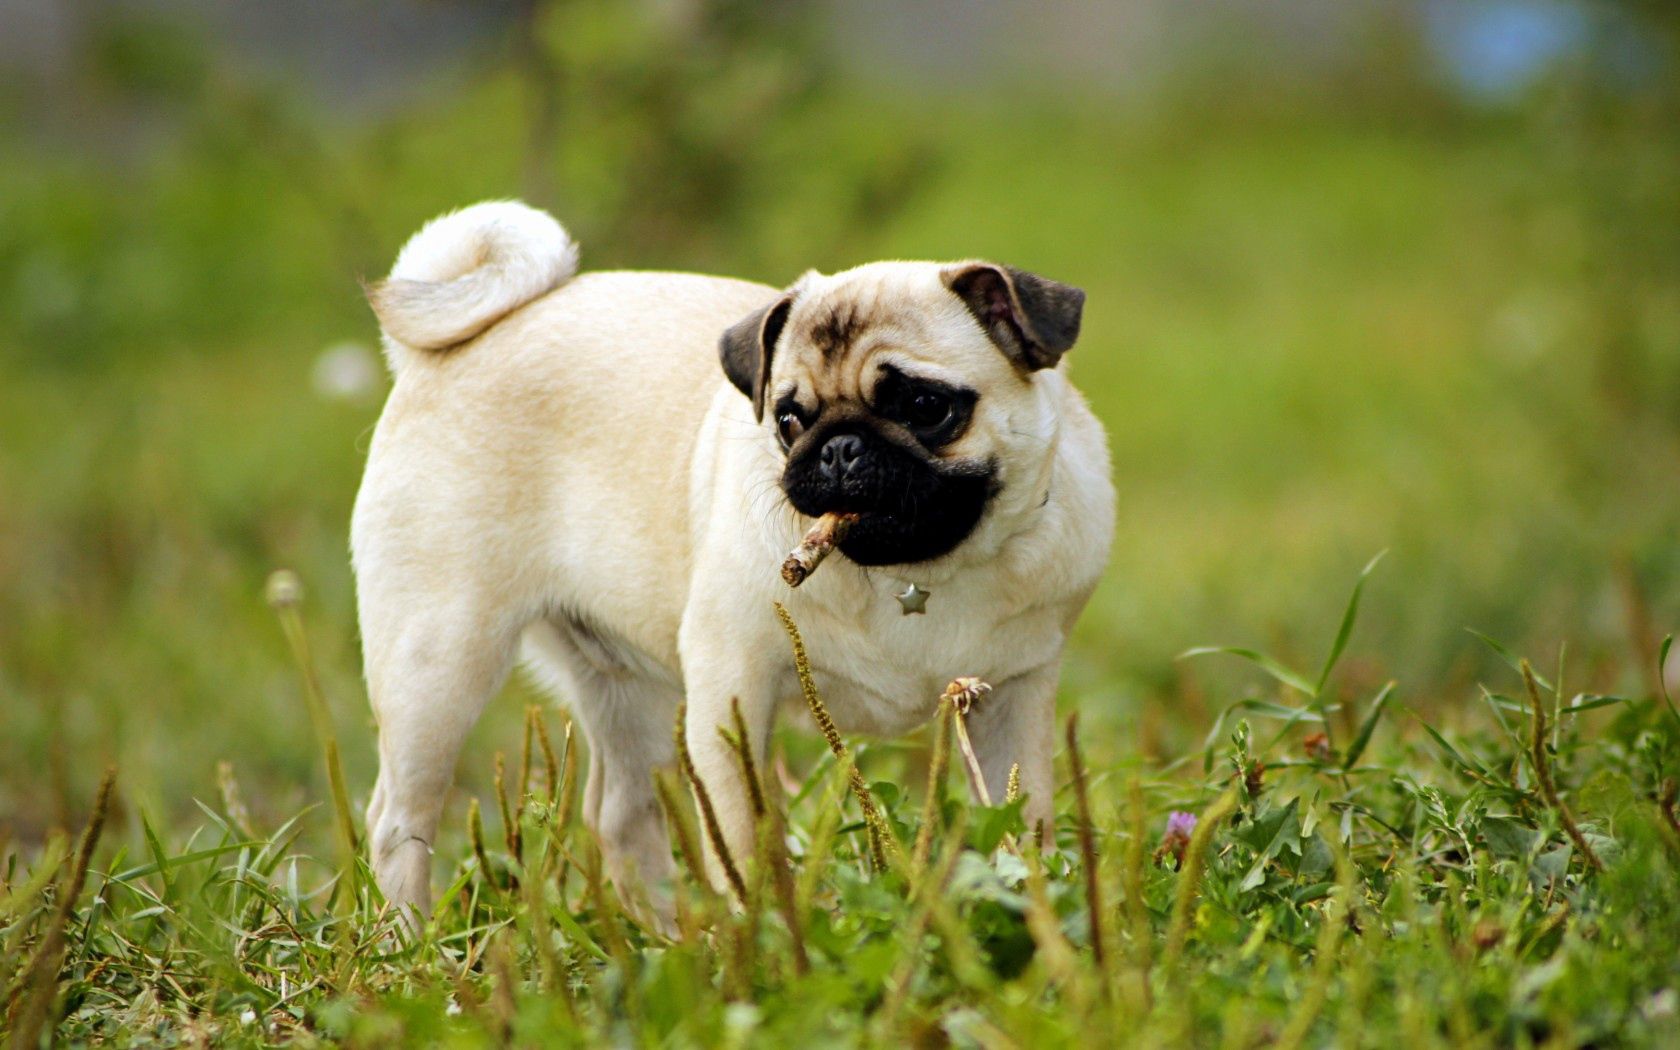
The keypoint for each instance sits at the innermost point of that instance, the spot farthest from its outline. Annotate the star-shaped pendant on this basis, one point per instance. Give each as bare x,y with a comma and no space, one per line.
913,600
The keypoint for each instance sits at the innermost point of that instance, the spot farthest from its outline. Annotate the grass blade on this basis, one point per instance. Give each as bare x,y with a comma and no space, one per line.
1348,618
159,866
1543,772
1452,753
1356,746
40,980
1512,660
1292,679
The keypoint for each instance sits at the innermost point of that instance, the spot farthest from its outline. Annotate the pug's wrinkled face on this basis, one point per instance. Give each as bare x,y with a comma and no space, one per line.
905,393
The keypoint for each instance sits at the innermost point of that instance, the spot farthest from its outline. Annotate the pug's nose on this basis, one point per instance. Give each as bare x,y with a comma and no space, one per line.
840,455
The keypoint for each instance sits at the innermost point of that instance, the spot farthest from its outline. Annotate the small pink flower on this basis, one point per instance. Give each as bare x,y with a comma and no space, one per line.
1180,826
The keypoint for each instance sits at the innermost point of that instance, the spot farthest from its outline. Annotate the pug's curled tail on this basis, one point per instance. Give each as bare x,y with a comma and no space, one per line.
466,270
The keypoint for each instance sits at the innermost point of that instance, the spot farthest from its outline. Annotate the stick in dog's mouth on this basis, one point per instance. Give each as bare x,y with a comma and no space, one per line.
822,538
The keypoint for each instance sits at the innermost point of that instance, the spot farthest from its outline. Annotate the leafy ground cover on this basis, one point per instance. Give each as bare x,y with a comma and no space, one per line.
1315,874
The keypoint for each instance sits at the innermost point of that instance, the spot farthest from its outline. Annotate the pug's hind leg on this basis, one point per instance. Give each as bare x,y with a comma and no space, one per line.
630,740
430,672
628,719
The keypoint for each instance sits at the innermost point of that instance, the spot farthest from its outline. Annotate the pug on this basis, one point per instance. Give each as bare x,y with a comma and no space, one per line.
600,474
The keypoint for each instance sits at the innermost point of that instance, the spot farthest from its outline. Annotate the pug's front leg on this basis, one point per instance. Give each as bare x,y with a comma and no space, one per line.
715,683
1015,725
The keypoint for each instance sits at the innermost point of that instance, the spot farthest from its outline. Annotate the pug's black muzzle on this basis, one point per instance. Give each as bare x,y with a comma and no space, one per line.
911,506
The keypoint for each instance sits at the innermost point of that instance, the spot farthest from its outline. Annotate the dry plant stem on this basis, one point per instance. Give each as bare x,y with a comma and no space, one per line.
1061,961
739,934
292,624
1190,877
958,941
551,765
683,830
466,996
774,863
880,838
1013,790
1461,1027
523,795
1137,912
499,961
747,923
691,921
1088,853
1359,980
819,542
898,987
475,830
971,761
938,764
538,925
1327,954
527,745
742,746
233,801
1543,771
350,957
737,959
612,933
1551,924
961,949
563,807
781,875
26,885
708,815
1412,1026
510,832
40,980
763,845
605,904
822,837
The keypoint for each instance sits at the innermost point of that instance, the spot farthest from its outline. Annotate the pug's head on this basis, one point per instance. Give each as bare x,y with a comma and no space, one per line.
909,394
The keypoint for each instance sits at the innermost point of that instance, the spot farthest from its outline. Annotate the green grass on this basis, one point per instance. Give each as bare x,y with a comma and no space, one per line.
1518,885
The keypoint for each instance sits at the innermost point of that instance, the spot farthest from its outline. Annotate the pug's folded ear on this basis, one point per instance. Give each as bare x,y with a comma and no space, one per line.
746,348
1032,319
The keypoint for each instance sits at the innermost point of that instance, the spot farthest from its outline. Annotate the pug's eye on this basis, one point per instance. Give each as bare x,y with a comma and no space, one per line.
936,414
788,427
927,410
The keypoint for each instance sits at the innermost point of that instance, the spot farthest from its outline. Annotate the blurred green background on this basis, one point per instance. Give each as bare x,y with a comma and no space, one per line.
1362,275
